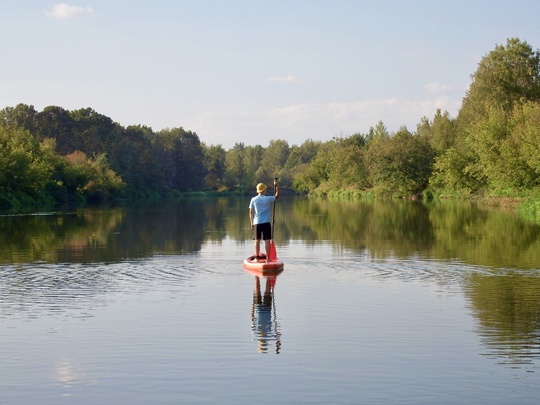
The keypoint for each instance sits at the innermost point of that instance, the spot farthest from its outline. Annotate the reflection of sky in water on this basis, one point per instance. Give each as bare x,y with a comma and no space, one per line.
176,323
67,373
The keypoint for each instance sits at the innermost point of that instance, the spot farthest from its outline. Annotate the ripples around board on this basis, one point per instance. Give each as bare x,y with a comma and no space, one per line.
54,289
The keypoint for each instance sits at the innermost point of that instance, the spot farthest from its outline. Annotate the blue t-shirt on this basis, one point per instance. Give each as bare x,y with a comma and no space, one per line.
260,204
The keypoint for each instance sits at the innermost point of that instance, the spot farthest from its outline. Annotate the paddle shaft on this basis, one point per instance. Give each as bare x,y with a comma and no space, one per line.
273,253
274,208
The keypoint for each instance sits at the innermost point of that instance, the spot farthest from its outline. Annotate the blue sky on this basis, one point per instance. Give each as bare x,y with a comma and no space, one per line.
252,71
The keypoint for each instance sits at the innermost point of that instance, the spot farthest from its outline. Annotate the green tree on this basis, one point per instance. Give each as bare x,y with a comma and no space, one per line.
92,130
300,158
441,132
453,175
181,159
303,154
22,116
131,156
24,169
378,132
253,156
93,177
488,136
504,76
214,162
56,123
346,164
236,166
273,162
525,136
519,166
400,165
314,175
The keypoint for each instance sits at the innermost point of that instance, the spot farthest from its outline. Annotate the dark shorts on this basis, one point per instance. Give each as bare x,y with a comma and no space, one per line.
264,230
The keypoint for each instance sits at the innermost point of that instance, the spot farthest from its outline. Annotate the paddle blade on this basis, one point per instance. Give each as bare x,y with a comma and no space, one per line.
273,254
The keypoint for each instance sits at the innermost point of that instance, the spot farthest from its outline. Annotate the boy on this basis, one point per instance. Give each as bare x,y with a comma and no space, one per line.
259,217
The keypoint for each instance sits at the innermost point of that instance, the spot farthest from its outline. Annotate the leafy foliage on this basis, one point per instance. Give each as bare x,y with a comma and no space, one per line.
486,155
492,146
24,167
401,163
214,161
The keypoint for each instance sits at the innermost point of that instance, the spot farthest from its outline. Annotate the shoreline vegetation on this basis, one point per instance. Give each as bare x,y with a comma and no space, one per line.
489,153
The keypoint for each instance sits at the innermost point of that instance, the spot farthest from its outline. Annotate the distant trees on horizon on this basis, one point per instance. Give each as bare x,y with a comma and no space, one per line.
491,147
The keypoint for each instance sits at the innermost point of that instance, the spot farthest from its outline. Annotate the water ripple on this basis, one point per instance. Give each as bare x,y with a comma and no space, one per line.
73,288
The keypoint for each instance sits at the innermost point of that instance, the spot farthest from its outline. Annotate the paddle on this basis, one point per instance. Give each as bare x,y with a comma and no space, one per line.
273,253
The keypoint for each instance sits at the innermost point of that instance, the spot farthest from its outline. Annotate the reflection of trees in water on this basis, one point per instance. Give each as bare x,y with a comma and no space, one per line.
58,237
227,216
403,229
508,313
381,229
172,228
484,237
104,235
384,229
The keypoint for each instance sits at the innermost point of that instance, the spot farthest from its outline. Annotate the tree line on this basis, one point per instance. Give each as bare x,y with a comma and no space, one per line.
491,148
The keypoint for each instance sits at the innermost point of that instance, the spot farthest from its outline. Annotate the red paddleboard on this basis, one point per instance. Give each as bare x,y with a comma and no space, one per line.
272,273
263,265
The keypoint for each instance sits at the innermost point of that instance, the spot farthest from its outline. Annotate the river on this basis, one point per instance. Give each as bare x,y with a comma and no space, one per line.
400,302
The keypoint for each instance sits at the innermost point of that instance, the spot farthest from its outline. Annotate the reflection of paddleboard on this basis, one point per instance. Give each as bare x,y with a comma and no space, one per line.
262,265
272,273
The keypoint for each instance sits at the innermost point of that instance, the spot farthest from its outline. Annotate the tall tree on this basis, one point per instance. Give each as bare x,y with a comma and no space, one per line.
300,157
92,130
442,131
253,156
273,161
313,176
348,169
214,161
400,165
525,137
236,166
21,116
182,159
24,168
130,154
57,123
504,76
378,132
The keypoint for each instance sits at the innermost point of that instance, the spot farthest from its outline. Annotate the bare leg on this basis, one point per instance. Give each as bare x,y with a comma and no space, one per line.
257,291
257,247
267,247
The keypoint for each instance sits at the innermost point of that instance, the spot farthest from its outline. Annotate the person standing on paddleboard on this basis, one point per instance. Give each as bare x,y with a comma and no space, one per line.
259,216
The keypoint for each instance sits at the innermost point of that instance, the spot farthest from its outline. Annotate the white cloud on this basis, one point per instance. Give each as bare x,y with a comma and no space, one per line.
63,11
318,121
439,88
227,124
283,79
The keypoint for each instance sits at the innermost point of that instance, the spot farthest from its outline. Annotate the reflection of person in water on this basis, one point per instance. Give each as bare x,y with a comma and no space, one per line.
263,315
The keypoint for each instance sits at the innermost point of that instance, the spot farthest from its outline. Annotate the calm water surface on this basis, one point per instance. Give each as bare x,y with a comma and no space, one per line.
380,302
